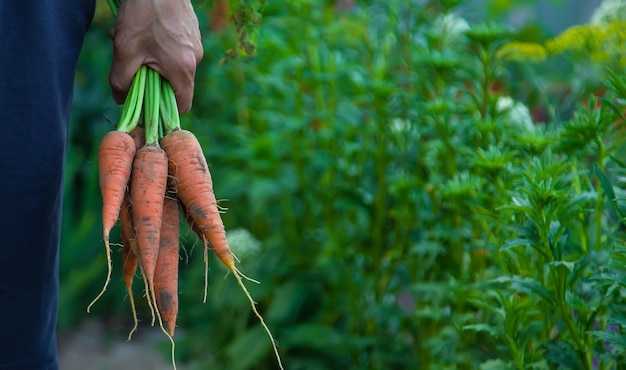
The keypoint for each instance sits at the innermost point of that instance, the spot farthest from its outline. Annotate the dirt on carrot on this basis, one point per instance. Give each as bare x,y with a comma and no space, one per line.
193,186
115,161
129,255
166,273
146,176
147,194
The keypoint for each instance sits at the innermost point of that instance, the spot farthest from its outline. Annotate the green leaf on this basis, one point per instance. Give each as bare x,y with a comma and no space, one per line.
497,365
293,297
616,339
569,266
619,162
514,243
604,182
608,189
248,349
616,110
492,330
313,335
574,301
529,286
564,355
539,365
579,269
618,320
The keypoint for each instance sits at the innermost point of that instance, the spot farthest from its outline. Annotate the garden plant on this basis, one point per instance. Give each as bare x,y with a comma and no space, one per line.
412,189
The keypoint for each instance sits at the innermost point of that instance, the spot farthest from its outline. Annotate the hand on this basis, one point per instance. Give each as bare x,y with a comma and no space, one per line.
163,34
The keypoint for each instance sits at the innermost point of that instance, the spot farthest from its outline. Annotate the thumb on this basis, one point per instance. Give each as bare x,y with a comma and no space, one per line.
123,69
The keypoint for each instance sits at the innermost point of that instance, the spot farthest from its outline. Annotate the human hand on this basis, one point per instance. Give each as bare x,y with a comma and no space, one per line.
164,35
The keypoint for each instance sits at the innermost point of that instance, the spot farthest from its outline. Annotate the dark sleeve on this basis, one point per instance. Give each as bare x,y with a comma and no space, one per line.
40,42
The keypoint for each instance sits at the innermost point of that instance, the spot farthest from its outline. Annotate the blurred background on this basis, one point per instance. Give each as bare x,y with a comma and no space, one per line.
553,16
348,197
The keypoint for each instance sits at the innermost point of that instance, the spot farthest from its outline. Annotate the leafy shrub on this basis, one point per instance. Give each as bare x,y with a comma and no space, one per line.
401,205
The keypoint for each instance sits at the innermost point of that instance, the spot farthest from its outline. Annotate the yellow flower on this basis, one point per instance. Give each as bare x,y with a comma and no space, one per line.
600,43
522,51
576,38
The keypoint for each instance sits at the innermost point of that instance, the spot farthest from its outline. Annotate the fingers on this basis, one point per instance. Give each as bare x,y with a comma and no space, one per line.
123,68
180,72
179,69
163,35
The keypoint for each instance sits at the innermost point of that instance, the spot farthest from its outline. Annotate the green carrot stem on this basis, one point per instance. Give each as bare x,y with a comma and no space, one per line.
151,108
159,97
164,109
143,71
173,105
161,124
128,107
171,119
131,111
114,5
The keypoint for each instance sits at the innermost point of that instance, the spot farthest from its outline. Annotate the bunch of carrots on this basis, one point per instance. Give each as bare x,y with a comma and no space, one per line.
150,172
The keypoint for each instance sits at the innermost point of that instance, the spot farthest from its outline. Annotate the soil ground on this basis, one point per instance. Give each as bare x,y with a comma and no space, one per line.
89,347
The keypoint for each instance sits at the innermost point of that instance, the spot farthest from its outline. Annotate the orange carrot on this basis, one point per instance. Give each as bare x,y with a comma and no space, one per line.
129,256
149,179
129,247
115,159
139,136
166,273
127,229
193,186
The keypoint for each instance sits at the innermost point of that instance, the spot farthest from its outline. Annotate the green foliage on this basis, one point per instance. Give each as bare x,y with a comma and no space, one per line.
402,208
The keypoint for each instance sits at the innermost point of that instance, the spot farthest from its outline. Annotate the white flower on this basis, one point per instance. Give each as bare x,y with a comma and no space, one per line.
399,125
515,112
242,243
451,27
608,11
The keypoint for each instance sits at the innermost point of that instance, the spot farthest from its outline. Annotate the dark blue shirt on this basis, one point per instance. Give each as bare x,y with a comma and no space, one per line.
39,46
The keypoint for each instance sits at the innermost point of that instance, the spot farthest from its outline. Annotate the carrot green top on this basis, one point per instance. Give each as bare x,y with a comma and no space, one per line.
151,95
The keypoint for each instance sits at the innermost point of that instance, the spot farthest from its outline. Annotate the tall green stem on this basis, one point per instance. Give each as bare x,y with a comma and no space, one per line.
600,199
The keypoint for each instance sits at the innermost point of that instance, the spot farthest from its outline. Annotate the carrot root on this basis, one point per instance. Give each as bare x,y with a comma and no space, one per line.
134,310
194,187
108,278
115,159
206,271
129,253
147,193
158,315
238,276
147,295
166,272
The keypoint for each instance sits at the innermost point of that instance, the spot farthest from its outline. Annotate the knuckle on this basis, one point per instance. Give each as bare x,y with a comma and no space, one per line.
188,62
115,83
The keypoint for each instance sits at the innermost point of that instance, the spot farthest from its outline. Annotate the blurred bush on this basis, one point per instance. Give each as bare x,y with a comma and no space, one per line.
371,156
